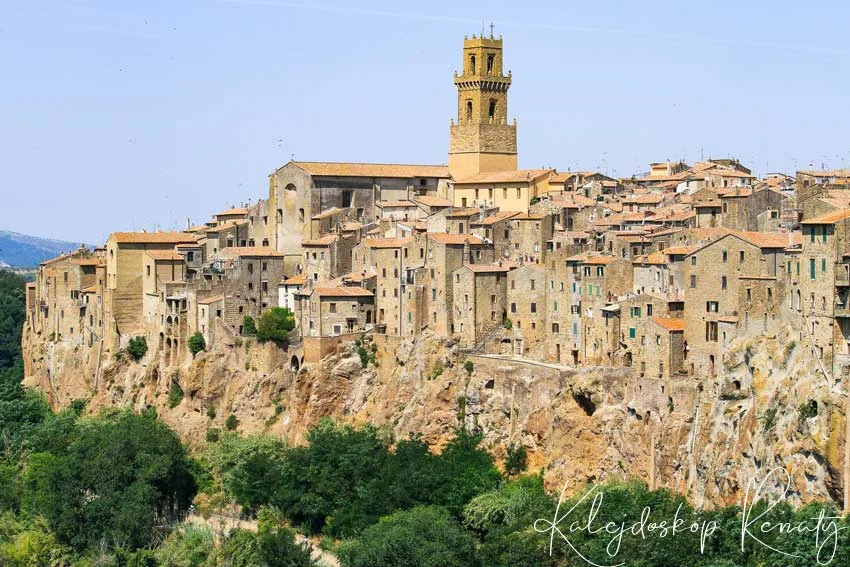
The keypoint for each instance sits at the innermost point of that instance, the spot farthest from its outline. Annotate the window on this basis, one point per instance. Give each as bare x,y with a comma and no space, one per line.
518,193
649,310
556,328
468,112
812,269
148,269
532,285
555,307
632,333
658,339
472,64
492,111
265,286
250,268
265,266
823,232
722,282
533,307
693,260
725,256
823,265
741,256
489,63
711,331
513,307
332,307
693,282
711,306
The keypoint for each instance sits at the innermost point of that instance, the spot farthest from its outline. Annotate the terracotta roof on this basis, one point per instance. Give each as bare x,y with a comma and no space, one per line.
386,242
575,234
572,200
670,324
351,226
648,199
87,261
223,226
455,238
299,279
89,289
197,228
391,204
529,216
767,239
654,259
235,211
830,218
496,218
358,276
49,272
680,250
327,213
432,201
150,237
251,251
462,213
326,240
733,192
342,169
599,260
342,292
708,203
210,299
516,176
488,268
164,255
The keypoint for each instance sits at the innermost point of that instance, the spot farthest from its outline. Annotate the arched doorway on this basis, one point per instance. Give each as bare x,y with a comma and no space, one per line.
295,364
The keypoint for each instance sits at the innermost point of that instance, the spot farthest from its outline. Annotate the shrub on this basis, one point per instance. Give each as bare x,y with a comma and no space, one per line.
175,395
137,347
468,367
364,356
808,409
507,324
515,461
196,343
211,412
248,326
231,423
768,419
213,435
275,325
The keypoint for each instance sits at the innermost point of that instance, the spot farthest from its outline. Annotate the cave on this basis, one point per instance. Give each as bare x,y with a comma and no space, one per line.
585,403
490,384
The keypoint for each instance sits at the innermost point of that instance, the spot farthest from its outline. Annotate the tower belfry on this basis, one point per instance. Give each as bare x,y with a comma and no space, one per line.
482,140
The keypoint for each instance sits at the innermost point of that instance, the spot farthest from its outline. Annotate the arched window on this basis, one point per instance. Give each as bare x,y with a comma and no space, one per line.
301,215
469,111
290,187
492,112
472,64
490,64
280,216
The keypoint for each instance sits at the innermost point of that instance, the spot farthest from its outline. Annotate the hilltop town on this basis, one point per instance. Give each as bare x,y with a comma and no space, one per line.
660,277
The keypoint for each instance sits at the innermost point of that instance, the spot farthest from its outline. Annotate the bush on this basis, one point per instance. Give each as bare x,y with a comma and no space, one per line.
175,395
515,461
414,538
808,410
211,412
231,423
249,327
197,343
213,435
364,356
507,324
275,325
137,348
468,367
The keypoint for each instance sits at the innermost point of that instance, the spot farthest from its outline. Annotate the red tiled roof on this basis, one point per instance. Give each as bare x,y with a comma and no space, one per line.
670,324
342,169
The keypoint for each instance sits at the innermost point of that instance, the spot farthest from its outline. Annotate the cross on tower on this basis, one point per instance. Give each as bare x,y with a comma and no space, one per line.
491,29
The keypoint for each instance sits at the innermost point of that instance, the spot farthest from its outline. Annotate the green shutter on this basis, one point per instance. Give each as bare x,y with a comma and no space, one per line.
812,268
823,265
631,332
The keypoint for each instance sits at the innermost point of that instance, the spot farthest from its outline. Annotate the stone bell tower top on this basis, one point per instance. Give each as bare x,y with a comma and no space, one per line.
482,140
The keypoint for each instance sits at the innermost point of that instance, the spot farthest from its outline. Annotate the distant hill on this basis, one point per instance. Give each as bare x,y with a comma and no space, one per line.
24,251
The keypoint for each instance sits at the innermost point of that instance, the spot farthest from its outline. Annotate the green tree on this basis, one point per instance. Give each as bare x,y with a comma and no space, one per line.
188,546
122,474
249,327
12,314
465,470
196,343
175,395
273,545
137,347
275,324
426,536
231,423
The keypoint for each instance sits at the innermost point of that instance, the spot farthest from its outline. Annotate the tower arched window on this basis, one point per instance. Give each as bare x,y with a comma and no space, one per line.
490,64
472,64
469,111
492,112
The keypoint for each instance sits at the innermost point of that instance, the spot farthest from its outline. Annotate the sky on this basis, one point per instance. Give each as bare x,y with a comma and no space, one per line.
142,115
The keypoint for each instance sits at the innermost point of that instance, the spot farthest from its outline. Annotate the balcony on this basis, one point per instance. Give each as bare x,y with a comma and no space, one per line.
842,311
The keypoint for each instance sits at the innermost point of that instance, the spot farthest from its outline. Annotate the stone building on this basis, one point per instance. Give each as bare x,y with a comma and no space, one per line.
482,140
333,311
479,301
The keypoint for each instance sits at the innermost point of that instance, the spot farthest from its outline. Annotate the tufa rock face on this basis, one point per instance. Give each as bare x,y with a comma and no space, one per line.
770,406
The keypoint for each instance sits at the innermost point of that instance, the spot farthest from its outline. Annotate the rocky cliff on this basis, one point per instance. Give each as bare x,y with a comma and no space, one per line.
770,406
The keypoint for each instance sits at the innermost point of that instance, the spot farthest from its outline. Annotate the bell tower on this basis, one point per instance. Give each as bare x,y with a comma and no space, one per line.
482,140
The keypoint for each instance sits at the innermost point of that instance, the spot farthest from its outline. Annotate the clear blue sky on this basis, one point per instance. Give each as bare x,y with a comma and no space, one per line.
118,115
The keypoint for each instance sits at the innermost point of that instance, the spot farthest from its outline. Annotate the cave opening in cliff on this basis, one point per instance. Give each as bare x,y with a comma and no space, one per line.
585,403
